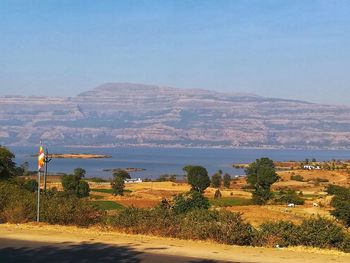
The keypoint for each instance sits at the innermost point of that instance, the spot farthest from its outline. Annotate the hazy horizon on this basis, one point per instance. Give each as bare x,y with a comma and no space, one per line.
292,49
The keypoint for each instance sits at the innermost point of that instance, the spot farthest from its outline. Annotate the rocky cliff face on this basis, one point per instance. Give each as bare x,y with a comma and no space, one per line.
132,114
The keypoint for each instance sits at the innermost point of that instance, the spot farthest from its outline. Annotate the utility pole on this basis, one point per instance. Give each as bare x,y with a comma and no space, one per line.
46,160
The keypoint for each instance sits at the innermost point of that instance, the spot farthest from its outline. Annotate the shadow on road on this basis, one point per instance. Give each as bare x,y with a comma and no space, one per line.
78,253
18,251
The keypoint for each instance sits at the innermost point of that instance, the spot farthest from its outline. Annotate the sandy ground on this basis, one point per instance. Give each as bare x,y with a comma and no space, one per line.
206,250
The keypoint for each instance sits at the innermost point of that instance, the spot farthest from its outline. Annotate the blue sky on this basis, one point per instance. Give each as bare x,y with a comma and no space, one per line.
289,49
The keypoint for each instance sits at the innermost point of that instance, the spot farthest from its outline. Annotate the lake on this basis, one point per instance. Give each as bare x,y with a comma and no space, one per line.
158,161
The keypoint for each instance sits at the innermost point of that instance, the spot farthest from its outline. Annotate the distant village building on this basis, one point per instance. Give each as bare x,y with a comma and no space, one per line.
311,167
133,180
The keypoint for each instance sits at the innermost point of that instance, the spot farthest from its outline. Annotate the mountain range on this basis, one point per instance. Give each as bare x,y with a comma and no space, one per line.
126,114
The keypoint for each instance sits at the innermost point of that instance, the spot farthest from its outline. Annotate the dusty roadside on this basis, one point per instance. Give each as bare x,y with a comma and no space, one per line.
167,246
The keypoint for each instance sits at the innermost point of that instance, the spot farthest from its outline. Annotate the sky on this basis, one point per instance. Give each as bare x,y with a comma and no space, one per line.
286,49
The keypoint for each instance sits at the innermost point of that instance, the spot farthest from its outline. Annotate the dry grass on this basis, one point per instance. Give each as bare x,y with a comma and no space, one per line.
149,194
256,215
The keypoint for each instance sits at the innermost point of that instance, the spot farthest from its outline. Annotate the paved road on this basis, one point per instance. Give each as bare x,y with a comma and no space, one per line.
19,251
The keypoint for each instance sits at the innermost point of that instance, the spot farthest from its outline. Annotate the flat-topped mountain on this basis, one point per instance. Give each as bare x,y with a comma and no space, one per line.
125,114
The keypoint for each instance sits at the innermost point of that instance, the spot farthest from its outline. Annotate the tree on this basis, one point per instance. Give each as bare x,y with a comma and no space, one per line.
74,184
216,180
227,180
261,174
122,174
118,184
69,183
217,194
7,165
79,173
197,177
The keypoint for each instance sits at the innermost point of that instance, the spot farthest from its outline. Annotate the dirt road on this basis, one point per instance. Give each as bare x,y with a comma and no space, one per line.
93,245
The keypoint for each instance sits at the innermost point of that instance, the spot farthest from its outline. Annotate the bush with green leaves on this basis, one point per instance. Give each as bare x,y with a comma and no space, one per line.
321,232
188,201
220,226
282,233
166,178
313,232
156,221
297,177
31,185
17,205
288,196
341,203
67,209
332,189
74,184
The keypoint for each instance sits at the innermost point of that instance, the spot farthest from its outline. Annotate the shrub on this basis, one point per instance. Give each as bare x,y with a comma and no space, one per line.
297,177
340,202
220,226
97,180
83,189
280,233
332,189
288,196
320,232
31,185
67,209
156,221
16,204
74,185
167,178
186,202
314,232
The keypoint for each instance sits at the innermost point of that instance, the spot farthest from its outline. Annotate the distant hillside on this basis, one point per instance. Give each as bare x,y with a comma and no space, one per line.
142,115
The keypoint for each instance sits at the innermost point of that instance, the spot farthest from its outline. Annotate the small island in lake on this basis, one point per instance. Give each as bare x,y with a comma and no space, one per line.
78,156
128,169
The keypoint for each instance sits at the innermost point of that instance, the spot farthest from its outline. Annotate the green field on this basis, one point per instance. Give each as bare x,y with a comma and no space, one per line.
107,205
108,191
229,201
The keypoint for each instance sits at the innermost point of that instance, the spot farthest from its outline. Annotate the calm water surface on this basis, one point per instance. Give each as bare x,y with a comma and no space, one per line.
159,161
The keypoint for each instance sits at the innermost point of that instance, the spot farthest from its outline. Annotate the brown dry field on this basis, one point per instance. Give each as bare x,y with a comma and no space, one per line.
208,251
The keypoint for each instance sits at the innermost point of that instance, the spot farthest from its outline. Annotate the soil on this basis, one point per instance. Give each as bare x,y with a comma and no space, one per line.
39,232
